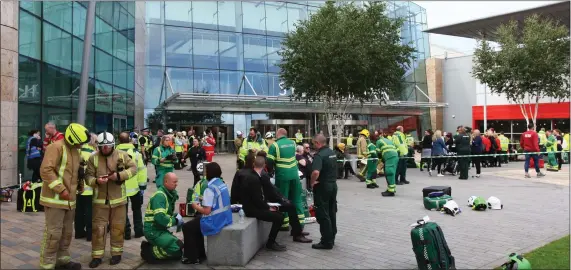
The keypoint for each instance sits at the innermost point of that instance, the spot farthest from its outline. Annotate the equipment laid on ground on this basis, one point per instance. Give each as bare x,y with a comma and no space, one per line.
495,203
29,198
427,190
479,204
451,208
6,194
451,164
436,203
516,262
430,247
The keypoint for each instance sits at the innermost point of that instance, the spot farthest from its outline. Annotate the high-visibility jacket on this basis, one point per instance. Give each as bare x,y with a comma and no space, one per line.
198,190
138,181
178,145
566,141
350,141
298,137
269,142
542,138
399,140
250,144
409,140
238,145
59,172
221,214
386,148
86,151
282,152
361,147
551,144
163,152
159,215
32,151
504,142
371,150
112,193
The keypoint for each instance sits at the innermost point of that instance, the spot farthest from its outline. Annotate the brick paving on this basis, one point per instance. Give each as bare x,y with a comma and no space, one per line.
373,232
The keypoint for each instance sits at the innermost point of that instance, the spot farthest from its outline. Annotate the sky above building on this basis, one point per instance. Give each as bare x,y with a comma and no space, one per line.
441,13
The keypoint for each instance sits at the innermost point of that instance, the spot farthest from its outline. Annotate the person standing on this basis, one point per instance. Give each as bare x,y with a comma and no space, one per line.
362,154
477,146
350,141
559,153
237,145
135,187
388,152
299,137
34,154
145,144
438,151
551,146
372,161
83,212
399,140
160,243
529,142
504,144
462,142
282,162
426,151
107,171
542,141
178,148
324,184
196,154
164,158
52,135
487,148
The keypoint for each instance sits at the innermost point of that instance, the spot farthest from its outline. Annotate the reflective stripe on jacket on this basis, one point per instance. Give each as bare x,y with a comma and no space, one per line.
32,151
139,181
221,214
385,146
59,172
282,152
504,142
159,213
399,140
248,145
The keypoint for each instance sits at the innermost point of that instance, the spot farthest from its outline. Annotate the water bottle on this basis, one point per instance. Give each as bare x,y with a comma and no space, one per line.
241,214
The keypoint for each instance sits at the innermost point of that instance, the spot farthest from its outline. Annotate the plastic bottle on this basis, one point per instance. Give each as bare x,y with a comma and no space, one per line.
241,214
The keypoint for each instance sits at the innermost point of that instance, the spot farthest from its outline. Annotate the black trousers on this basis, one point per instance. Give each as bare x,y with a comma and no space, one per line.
559,159
436,163
83,214
325,202
348,170
477,161
34,165
401,170
136,205
276,218
195,173
193,240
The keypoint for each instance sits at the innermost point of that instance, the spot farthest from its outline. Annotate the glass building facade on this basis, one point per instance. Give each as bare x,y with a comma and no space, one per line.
208,47
50,60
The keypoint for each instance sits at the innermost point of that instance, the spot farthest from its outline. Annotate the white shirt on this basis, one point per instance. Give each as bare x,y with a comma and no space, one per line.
208,196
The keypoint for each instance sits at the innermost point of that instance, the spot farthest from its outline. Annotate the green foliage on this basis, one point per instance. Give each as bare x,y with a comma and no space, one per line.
345,53
531,64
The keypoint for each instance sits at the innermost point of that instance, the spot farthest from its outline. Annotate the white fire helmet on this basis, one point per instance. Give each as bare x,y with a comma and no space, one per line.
105,138
495,204
451,208
471,200
200,168
269,135
238,133
169,130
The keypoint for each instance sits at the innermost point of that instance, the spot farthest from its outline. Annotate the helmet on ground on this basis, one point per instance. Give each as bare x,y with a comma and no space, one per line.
238,133
471,200
76,134
341,146
495,204
480,204
451,208
269,135
516,262
364,132
105,138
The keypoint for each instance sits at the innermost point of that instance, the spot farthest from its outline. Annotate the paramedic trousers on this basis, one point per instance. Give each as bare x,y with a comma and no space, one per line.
371,171
291,189
390,171
54,248
115,217
325,202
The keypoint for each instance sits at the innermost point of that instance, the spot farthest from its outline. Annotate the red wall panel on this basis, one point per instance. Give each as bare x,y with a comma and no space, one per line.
513,112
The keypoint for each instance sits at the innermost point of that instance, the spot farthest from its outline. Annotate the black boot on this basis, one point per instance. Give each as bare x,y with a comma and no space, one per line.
321,246
95,263
361,178
370,186
127,236
399,183
387,194
405,182
70,266
115,260
375,185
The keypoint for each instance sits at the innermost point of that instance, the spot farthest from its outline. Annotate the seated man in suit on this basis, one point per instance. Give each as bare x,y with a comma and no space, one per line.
256,190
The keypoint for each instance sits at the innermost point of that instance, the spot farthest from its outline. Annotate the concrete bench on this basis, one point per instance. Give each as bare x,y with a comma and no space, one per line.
236,244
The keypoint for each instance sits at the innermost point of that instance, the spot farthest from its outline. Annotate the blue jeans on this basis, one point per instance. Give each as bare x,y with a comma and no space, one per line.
535,162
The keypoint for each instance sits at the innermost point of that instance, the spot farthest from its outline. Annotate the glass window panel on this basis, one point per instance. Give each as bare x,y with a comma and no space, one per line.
259,82
154,12
205,14
130,21
130,52
103,35
230,82
29,118
29,85
543,123
104,10
56,86
120,17
32,6
78,57
153,87
103,66
277,12
130,100
155,45
120,46
206,81
230,55
254,17
255,53
119,73
205,44
178,13
103,97
274,85
295,13
274,45
79,19
59,13
181,79
131,7
130,78
30,36
119,101
178,46
316,3
59,116
57,47
229,16
75,84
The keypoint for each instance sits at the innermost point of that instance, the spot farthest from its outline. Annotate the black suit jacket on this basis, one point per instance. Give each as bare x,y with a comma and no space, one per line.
256,191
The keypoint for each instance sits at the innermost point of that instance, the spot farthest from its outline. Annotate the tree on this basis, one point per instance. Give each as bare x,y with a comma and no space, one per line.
531,64
344,54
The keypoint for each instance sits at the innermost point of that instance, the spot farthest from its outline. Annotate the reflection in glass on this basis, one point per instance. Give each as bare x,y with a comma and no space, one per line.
103,97
29,87
119,101
181,79
178,46
103,66
57,47
230,82
254,17
154,86
205,15
154,11
230,16
255,53
30,36
274,86
205,48
295,13
206,81
120,46
155,45
230,55
278,22
79,19
77,60
59,13
34,7
259,82
103,35
56,86
178,13
274,45
119,73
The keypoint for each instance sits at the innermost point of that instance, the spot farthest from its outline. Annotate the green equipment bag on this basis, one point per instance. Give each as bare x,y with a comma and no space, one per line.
189,193
430,247
436,203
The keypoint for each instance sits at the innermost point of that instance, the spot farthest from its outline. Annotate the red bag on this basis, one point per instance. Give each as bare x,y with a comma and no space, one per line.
182,209
541,163
312,211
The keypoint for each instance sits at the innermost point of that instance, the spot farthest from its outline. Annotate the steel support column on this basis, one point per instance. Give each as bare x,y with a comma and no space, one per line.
86,63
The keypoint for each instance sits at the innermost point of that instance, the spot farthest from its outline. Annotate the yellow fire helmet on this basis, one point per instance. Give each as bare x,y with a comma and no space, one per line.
364,132
341,146
76,134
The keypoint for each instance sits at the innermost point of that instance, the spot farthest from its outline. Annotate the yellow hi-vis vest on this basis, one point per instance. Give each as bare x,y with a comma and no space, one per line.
298,137
178,148
138,181
566,142
86,151
542,137
504,142
349,141
409,140
399,140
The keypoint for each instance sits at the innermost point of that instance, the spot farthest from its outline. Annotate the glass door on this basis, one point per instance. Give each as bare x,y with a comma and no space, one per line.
119,123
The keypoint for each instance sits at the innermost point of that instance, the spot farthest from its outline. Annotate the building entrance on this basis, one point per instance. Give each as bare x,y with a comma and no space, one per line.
292,126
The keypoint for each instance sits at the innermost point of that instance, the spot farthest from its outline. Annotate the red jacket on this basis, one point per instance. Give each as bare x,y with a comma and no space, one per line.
529,141
486,141
498,144
49,140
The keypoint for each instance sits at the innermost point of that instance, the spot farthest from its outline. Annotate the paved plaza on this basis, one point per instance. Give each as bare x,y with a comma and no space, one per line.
373,231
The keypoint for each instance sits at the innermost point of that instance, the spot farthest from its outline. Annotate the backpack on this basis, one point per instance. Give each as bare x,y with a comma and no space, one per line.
430,247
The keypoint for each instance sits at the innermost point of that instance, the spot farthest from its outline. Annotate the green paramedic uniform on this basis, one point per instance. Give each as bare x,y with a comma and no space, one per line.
325,194
399,140
282,155
371,168
390,156
551,146
163,167
159,217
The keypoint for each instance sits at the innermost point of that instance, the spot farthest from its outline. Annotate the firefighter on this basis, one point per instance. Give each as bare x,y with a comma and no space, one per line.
84,201
134,187
399,140
164,158
107,171
253,143
361,150
282,161
59,171
551,147
299,137
237,145
388,152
